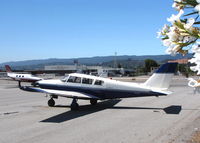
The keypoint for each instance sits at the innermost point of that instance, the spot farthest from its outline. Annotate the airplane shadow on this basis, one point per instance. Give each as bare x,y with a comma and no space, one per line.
109,104
174,109
83,110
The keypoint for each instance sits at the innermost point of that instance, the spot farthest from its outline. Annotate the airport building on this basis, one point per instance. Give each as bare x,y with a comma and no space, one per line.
94,70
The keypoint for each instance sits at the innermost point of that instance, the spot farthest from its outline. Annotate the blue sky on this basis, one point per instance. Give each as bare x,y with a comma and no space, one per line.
40,29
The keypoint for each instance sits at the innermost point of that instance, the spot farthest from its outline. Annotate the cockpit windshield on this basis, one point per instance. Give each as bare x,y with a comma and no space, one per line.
64,79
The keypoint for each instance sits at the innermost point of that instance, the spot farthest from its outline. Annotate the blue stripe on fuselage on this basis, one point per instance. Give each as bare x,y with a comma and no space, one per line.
102,93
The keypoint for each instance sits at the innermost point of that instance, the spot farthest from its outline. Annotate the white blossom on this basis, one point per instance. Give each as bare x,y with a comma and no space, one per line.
196,48
197,8
171,50
178,0
198,1
196,58
182,33
189,23
172,34
174,18
168,43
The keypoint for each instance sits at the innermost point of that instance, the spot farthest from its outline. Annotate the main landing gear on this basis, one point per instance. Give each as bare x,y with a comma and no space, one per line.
74,105
51,102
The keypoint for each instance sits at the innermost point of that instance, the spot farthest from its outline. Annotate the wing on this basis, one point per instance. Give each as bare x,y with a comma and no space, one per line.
69,94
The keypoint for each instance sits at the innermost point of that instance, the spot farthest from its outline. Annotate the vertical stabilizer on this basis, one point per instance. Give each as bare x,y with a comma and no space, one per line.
8,69
162,77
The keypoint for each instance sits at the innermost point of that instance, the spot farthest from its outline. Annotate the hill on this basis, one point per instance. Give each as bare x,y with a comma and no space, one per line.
99,60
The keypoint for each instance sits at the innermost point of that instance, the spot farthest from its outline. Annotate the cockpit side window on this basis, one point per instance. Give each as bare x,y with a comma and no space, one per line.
77,80
74,79
98,82
71,79
87,81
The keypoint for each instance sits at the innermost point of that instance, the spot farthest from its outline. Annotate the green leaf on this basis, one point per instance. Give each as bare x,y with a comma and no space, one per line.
179,24
191,2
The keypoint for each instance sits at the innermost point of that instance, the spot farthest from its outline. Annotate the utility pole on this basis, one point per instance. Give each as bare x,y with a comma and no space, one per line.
115,60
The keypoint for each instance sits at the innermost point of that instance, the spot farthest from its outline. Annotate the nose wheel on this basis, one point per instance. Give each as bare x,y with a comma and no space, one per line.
51,102
74,105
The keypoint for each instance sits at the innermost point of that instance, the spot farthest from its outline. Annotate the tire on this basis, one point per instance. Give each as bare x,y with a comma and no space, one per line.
74,106
51,103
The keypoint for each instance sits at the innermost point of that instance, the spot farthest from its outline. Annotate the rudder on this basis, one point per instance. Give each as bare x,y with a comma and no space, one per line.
8,69
162,77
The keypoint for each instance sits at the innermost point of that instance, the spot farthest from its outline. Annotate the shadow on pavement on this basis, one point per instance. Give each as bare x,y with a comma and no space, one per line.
109,104
83,110
174,109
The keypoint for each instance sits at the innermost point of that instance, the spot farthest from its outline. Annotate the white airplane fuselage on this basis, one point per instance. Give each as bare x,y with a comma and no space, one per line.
23,77
107,90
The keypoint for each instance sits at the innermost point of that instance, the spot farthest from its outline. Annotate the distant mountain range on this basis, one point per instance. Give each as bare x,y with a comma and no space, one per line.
101,60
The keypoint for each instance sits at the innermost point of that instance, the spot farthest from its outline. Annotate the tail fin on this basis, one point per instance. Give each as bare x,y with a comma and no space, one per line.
8,69
162,77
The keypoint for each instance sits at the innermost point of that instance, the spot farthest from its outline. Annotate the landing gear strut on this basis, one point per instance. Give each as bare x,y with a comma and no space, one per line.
93,101
51,102
74,105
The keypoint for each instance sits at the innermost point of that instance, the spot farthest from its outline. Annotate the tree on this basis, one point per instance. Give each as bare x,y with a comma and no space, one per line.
150,63
184,32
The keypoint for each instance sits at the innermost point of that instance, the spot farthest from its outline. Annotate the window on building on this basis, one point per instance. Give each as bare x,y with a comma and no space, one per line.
98,82
87,81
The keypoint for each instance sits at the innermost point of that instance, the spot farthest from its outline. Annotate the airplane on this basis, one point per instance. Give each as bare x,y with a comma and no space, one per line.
21,77
93,88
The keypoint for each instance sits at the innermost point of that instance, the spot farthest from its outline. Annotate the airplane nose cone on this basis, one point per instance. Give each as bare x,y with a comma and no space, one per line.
45,83
41,82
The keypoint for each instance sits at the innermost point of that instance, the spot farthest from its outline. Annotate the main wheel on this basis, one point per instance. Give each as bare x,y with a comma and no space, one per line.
51,103
93,101
74,106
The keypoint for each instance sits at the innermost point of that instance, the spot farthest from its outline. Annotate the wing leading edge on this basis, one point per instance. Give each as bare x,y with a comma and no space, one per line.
68,94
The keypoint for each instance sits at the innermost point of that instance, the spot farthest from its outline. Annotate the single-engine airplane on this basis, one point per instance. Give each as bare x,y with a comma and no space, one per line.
21,77
81,86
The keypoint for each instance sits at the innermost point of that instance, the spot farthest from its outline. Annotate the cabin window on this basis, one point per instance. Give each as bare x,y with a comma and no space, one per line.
87,81
22,76
77,80
74,79
98,82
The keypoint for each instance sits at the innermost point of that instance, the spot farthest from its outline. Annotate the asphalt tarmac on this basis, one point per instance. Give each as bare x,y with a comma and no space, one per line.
25,117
